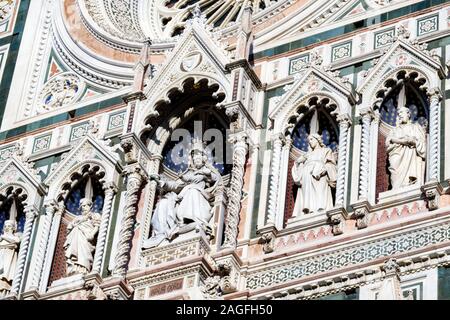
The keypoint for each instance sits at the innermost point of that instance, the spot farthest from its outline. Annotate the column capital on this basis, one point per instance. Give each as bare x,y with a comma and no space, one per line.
239,138
344,120
434,93
30,212
366,113
110,187
278,137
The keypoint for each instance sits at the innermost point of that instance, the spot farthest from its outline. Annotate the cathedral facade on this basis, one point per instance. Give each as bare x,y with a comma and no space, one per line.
254,149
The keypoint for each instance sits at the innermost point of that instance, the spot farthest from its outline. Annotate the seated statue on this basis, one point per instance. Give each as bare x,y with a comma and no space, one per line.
315,174
406,148
81,238
186,204
9,247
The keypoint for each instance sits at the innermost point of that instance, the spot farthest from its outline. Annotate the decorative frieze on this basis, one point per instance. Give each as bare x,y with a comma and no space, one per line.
356,254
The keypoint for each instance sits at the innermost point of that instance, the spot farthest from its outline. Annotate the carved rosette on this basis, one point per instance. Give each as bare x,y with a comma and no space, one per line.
135,180
61,90
240,150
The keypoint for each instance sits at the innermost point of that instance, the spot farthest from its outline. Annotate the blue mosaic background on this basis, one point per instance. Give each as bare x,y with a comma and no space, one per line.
329,132
73,200
180,163
414,102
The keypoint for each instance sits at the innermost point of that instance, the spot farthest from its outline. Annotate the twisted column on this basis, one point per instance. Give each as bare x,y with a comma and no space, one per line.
365,154
135,180
277,145
344,124
30,215
50,209
110,190
435,98
240,149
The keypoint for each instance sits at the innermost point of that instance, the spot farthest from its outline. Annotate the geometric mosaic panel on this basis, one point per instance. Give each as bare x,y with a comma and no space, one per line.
296,64
79,131
341,51
116,120
427,25
384,38
350,256
42,143
7,153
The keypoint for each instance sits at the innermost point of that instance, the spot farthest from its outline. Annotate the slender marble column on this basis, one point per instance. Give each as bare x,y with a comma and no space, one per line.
135,180
240,149
344,124
365,154
282,182
50,209
110,190
435,98
277,145
30,215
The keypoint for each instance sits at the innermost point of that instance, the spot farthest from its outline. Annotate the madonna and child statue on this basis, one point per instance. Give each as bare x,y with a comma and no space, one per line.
186,204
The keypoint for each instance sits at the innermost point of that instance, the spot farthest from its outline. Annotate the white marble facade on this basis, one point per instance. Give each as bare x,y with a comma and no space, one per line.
338,147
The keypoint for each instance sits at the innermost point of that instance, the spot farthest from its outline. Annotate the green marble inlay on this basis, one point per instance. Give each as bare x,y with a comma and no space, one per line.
326,35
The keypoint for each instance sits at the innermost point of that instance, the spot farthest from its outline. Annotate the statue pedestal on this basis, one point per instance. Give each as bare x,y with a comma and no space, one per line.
405,194
188,245
75,281
175,270
308,221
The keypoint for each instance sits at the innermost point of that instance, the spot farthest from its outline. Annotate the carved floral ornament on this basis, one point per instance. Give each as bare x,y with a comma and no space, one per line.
61,90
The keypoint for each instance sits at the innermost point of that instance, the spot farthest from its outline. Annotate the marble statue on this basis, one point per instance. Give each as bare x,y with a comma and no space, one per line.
186,204
164,217
9,247
406,148
81,238
315,174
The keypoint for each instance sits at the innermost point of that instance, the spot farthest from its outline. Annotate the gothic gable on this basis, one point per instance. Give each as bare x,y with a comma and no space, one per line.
196,56
405,55
16,172
314,81
88,151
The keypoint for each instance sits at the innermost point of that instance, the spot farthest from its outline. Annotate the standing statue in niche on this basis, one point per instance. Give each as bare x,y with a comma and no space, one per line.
186,204
81,238
406,148
9,247
315,174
